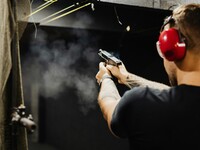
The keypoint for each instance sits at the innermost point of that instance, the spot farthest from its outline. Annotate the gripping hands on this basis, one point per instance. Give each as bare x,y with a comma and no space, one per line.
114,65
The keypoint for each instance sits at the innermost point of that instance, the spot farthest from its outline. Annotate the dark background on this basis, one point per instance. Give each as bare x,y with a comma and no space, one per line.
62,124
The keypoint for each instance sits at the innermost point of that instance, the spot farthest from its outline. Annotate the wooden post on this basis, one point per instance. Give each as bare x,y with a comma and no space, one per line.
11,93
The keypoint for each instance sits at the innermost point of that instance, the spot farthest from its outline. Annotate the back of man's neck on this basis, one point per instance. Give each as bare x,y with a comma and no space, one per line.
190,78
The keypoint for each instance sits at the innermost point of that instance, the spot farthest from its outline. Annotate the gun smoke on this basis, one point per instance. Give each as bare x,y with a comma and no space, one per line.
57,65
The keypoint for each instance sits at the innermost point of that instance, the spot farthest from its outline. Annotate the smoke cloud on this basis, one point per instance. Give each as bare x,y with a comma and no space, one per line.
56,65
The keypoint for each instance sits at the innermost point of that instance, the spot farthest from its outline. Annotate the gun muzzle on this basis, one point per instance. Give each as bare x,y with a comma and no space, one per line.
109,58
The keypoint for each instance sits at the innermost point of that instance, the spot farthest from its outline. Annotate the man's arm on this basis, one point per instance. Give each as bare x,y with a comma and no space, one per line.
108,99
132,80
108,95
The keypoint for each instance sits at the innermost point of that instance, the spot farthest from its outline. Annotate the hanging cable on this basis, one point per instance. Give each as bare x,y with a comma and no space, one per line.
117,16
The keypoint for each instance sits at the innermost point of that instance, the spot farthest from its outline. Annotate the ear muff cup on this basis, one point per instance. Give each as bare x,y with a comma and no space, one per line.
170,45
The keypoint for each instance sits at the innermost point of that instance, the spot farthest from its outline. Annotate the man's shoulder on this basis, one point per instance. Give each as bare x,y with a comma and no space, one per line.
145,93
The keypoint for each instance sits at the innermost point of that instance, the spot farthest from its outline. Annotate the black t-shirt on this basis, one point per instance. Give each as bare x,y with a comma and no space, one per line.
159,120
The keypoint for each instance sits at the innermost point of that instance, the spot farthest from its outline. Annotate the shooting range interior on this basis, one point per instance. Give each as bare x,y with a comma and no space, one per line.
60,60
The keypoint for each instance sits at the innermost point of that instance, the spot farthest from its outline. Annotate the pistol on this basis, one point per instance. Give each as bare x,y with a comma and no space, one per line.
109,58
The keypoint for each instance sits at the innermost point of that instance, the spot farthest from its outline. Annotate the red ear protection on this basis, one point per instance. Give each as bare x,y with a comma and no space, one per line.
170,46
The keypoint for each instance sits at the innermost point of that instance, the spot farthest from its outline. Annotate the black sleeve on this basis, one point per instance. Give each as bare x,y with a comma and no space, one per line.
123,115
141,105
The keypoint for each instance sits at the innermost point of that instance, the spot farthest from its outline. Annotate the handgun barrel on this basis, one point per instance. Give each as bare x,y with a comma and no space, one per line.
110,59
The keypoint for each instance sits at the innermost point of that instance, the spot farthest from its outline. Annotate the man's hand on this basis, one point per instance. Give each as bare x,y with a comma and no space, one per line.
102,71
119,72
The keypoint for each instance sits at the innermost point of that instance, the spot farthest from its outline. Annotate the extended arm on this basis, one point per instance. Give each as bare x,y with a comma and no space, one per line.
108,96
132,80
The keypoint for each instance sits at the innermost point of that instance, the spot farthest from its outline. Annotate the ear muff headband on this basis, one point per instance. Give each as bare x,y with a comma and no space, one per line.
170,45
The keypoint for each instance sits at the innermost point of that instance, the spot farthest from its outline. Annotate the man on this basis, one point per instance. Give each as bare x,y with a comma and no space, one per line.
152,115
